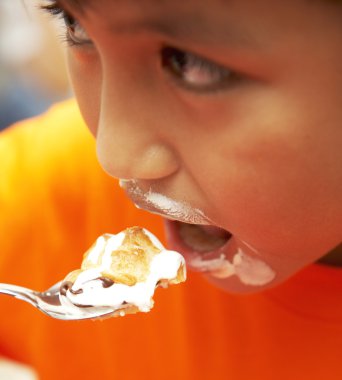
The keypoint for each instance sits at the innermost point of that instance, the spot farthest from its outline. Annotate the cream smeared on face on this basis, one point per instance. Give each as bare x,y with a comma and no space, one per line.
249,270
220,254
160,204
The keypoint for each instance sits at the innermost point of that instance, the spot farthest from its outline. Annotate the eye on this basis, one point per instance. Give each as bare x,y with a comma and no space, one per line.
195,72
75,33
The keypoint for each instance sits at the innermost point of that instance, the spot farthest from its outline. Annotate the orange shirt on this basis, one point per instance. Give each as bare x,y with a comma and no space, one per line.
54,202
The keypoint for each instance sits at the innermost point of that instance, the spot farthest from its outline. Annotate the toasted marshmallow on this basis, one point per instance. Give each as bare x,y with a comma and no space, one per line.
121,272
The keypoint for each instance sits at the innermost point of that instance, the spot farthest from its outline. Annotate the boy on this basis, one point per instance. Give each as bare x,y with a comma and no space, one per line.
224,117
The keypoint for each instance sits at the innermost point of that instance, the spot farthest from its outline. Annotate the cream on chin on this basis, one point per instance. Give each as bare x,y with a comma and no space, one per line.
216,252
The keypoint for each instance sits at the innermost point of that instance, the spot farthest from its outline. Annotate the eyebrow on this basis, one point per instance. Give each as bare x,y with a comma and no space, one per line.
83,5
80,5
169,26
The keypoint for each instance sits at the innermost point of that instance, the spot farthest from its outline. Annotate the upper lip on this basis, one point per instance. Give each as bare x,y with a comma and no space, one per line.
163,205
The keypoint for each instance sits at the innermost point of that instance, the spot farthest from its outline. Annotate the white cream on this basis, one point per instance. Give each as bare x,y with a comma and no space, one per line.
164,266
219,267
252,271
176,209
107,246
249,270
161,204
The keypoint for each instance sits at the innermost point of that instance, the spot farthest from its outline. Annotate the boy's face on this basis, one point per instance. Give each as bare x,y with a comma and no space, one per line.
220,112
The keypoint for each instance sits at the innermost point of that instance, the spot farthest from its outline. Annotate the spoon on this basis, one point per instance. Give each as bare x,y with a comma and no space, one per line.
49,302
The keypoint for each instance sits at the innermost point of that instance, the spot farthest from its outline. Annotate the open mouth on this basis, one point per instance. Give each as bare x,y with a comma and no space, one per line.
217,252
201,238
205,247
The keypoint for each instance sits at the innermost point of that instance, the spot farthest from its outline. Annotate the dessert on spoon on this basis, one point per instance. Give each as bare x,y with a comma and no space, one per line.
118,276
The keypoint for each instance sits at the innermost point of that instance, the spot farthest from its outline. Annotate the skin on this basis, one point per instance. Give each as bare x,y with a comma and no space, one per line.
260,154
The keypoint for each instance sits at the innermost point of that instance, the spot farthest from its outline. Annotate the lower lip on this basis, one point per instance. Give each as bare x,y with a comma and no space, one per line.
233,259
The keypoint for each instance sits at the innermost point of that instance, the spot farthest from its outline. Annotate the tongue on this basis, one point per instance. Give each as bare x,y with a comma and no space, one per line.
203,238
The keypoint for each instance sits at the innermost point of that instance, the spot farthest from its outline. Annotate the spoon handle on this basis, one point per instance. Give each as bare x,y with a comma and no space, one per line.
19,292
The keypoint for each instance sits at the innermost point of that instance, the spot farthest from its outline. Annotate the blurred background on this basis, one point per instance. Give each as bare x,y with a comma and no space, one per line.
32,63
32,76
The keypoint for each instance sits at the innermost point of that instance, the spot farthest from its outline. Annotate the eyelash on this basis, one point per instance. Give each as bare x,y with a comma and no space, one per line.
178,63
56,10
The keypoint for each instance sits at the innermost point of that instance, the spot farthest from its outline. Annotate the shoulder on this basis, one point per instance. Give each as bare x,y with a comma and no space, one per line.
53,148
49,169
54,196
50,174
54,131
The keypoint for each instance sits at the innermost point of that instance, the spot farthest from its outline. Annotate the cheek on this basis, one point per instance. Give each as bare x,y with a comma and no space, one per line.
274,185
85,75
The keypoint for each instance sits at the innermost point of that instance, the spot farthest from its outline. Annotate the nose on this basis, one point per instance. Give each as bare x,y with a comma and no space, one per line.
131,138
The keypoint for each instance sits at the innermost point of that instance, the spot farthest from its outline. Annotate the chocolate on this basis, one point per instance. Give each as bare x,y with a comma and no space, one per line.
106,282
65,286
